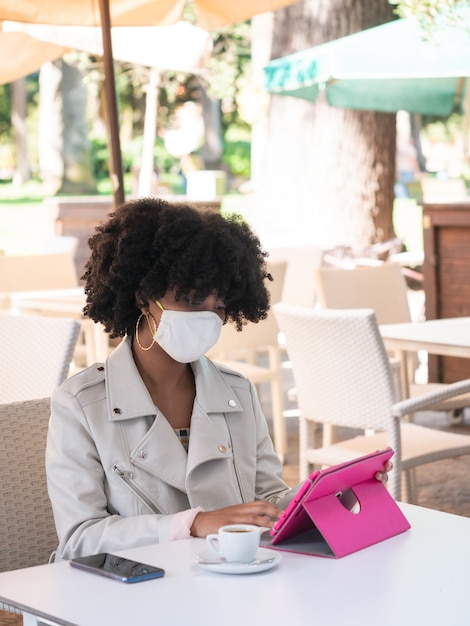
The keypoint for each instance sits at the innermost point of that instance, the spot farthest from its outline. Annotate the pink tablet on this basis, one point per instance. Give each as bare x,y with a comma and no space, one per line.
340,510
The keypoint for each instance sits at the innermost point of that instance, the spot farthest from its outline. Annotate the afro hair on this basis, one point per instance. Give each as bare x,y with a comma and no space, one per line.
148,246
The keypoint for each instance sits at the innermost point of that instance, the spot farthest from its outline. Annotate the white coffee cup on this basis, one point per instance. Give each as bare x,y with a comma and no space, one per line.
236,542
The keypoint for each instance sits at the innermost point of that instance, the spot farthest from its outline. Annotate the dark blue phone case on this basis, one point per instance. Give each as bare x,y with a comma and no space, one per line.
117,567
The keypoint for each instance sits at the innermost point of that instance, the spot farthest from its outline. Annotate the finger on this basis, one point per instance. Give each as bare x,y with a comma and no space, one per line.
263,508
382,476
259,513
261,519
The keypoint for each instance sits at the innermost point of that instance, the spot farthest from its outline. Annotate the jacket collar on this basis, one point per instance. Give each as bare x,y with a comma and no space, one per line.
128,397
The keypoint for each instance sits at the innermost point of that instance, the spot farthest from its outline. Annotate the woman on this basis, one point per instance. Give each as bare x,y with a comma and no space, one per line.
159,443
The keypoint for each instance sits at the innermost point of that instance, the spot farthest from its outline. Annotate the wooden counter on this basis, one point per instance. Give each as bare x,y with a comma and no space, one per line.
446,269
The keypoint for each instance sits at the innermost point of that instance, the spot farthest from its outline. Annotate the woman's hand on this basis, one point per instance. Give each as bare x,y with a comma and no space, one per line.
383,476
259,513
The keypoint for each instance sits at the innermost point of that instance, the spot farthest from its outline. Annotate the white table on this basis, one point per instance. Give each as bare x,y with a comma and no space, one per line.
446,337
419,577
66,303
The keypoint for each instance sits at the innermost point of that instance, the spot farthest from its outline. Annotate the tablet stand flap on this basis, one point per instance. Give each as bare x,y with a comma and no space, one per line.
357,517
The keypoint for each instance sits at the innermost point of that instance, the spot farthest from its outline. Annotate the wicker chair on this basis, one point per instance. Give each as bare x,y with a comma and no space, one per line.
35,355
343,378
241,351
27,531
49,269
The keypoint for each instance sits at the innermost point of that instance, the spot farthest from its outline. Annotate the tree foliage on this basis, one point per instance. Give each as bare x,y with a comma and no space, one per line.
32,89
5,113
432,13
227,70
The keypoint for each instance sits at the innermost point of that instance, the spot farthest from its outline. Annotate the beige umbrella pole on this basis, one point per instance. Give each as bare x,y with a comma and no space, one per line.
111,107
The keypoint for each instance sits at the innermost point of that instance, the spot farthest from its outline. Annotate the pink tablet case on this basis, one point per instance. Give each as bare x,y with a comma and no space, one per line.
317,521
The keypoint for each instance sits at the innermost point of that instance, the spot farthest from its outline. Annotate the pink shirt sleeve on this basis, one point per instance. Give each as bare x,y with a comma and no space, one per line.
181,523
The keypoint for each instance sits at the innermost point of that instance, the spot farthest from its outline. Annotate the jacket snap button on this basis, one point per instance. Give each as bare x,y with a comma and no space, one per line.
142,454
117,411
222,449
232,403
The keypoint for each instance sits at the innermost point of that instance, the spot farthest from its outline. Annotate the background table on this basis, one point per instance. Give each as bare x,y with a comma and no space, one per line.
419,577
446,337
450,336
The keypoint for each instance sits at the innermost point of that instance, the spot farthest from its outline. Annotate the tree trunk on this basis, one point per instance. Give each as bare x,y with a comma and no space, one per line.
330,172
22,171
147,177
212,148
78,175
50,126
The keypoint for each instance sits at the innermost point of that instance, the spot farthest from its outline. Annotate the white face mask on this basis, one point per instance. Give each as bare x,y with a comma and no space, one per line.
188,335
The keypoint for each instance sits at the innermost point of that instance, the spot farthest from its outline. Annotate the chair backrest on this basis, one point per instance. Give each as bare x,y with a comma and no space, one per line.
41,245
37,271
254,336
27,531
301,259
381,287
340,367
35,355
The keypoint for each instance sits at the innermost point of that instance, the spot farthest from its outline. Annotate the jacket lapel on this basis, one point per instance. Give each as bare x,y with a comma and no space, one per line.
209,438
157,450
126,394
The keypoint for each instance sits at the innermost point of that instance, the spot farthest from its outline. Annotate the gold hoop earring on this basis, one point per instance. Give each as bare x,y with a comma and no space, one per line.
147,315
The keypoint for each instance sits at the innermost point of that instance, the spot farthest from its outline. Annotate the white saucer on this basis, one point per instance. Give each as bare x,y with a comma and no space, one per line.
221,566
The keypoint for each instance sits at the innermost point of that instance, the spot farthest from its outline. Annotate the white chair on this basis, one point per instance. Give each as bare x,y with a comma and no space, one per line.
35,355
242,350
343,378
379,287
33,272
24,278
27,530
382,288
302,258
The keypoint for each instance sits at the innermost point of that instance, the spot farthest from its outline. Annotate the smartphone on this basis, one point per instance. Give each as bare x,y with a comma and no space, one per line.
117,567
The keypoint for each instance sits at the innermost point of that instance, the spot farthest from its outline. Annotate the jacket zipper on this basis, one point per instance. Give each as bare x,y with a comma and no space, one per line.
126,477
237,473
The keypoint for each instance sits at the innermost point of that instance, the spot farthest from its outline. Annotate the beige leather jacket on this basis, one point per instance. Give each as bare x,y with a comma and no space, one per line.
116,471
